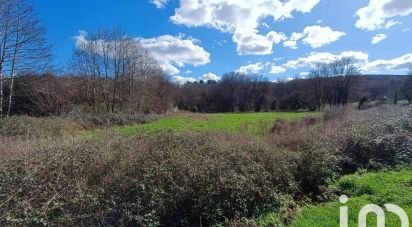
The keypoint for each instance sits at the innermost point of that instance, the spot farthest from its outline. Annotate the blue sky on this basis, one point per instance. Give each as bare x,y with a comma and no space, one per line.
194,39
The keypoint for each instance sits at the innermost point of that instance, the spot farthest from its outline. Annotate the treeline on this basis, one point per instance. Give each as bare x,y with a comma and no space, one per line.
331,85
48,94
111,72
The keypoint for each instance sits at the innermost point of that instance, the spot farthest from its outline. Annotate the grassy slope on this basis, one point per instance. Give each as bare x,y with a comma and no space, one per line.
362,189
251,123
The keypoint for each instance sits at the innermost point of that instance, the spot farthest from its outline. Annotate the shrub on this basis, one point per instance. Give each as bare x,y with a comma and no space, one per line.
380,141
24,126
193,179
343,142
92,121
166,179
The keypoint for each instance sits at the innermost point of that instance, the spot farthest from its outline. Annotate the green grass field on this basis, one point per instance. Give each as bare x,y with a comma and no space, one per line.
250,123
377,188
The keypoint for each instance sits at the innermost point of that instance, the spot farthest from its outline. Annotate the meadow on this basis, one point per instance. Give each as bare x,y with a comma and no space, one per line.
251,169
256,124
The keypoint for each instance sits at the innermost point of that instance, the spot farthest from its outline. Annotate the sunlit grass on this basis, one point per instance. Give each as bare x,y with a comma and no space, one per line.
377,188
250,123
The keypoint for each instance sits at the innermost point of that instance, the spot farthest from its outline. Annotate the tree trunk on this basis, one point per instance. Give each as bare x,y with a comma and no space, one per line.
1,93
11,86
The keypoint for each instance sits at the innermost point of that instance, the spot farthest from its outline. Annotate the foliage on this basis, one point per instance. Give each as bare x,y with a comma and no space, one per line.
173,179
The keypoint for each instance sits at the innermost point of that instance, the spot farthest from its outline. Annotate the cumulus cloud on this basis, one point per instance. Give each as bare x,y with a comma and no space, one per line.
292,42
377,12
277,69
183,80
315,36
314,58
252,68
379,38
241,18
81,38
251,43
210,76
159,3
173,52
399,64
392,23
260,67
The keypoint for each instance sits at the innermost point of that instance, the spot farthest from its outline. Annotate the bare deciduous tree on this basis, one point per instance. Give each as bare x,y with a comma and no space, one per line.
317,78
23,45
119,72
406,88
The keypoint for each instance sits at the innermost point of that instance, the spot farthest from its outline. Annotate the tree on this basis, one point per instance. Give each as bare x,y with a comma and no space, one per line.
317,78
343,72
406,88
23,46
332,82
119,73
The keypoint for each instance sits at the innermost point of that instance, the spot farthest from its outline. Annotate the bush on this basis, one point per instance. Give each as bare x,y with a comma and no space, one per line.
194,179
167,179
380,141
92,121
24,126
343,142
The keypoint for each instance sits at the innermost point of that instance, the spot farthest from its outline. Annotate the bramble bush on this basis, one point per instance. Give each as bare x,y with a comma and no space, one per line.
193,179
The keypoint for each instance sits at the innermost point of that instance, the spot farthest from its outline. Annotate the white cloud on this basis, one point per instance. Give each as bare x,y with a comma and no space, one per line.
319,21
292,42
159,3
304,74
210,76
277,69
259,67
251,43
265,25
379,38
377,12
183,80
315,36
242,19
399,65
252,68
173,52
314,58
392,23
405,30
81,38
